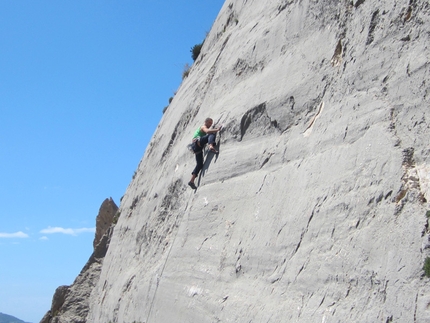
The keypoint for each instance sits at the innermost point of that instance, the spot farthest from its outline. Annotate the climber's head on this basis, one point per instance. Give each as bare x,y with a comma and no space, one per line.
208,122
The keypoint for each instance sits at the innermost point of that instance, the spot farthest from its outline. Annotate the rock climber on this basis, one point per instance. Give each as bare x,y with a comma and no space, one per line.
203,135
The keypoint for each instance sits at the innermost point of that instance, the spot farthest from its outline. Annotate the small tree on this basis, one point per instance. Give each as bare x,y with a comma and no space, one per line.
195,51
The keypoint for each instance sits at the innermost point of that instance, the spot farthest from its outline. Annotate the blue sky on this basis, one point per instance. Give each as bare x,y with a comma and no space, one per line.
82,89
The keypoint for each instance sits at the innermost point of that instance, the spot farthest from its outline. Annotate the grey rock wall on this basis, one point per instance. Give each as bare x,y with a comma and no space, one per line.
70,304
314,210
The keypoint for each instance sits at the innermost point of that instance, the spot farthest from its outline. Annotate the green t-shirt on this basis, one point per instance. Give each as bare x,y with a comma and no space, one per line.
199,133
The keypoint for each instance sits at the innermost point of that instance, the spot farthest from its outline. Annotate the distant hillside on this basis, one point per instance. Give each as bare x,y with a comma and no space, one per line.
4,318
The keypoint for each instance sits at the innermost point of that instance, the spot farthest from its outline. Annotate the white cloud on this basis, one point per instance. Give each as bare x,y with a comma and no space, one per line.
18,234
43,238
73,232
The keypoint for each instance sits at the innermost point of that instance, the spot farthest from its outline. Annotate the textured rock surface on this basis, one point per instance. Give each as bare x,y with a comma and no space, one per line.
70,304
314,210
104,219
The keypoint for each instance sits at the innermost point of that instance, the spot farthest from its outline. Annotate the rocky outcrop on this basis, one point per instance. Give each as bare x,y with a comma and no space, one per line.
104,219
70,304
315,208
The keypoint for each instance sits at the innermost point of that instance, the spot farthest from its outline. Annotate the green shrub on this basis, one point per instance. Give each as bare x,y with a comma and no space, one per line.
170,101
426,267
116,217
195,51
428,214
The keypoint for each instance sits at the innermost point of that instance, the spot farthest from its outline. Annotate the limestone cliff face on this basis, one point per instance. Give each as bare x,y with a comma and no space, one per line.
70,304
314,210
